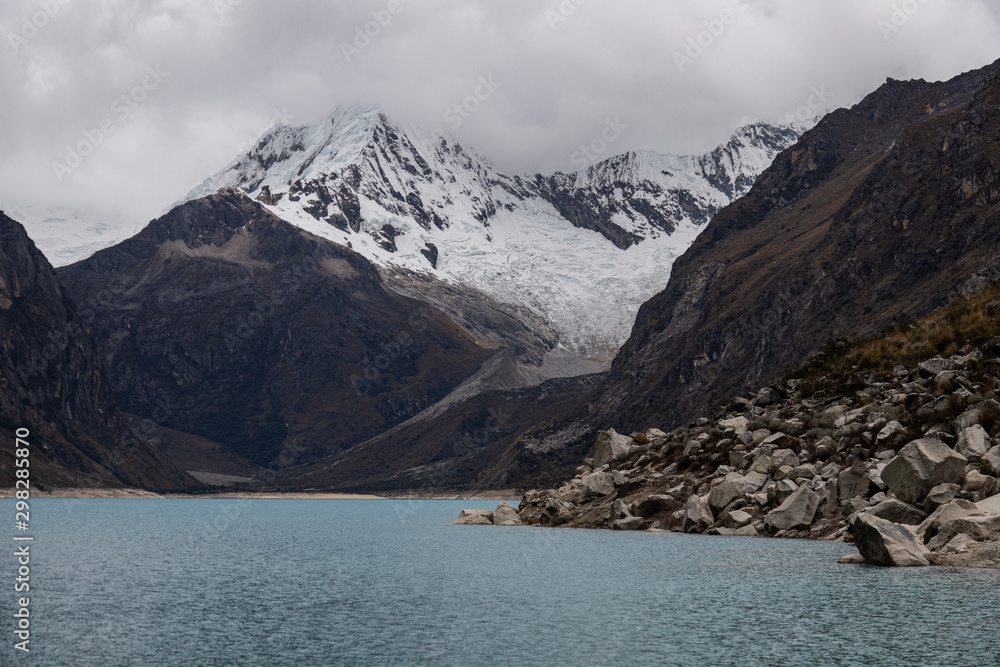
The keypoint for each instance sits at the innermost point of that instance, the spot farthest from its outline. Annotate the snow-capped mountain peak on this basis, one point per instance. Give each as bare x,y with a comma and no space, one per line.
555,244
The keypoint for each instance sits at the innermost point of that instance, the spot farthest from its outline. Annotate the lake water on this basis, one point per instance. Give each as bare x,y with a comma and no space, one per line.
144,583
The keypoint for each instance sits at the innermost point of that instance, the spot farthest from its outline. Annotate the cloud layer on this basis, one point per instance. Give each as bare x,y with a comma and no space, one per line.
166,92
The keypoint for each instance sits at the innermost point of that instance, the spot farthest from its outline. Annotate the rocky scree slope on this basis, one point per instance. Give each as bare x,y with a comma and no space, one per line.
54,383
901,459
434,207
890,207
223,321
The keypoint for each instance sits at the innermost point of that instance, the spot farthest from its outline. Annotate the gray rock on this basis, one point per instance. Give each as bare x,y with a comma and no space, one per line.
976,481
736,458
849,417
598,484
956,509
978,528
779,491
784,472
474,518
797,511
753,481
991,462
747,531
829,471
932,367
556,513
825,448
650,505
890,435
738,519
897,511
882,542
629,523
619,510
736,424
958,544
990,505
922,465
852,559
973,442
762,464
612,446
784,457
729,490
988,409
767,396
853,506
945,381
854,484
697,515
802,472
506,515
781,441
875,475
942,494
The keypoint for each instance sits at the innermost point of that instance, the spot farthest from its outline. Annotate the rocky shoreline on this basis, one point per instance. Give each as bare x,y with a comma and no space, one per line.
905,468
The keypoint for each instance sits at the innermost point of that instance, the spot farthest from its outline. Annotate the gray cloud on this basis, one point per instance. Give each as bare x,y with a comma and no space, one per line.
228,68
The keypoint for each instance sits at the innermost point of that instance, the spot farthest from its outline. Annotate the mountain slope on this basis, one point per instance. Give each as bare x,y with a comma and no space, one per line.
581,251
53,382
888,208
276,344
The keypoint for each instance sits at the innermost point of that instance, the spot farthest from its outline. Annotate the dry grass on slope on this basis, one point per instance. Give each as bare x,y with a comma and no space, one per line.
964,323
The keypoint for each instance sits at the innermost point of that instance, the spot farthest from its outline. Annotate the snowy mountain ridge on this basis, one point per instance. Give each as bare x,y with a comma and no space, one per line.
582,250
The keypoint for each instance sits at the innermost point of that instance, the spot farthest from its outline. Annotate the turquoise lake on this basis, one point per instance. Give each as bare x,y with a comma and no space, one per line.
144,583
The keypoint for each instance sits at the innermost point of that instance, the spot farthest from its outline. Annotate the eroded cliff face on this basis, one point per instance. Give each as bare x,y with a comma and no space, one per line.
223,321
885,209
53,382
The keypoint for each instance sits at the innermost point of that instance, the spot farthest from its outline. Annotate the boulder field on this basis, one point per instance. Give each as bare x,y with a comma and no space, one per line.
905,468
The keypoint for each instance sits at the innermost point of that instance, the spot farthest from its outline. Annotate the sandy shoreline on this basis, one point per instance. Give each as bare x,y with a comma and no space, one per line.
87,493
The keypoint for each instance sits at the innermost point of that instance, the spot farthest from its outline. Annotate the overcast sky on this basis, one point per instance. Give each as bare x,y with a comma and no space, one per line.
168,91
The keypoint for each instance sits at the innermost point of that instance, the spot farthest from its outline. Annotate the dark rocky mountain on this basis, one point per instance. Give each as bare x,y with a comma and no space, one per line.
229,324
448,445
53,382
884,210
